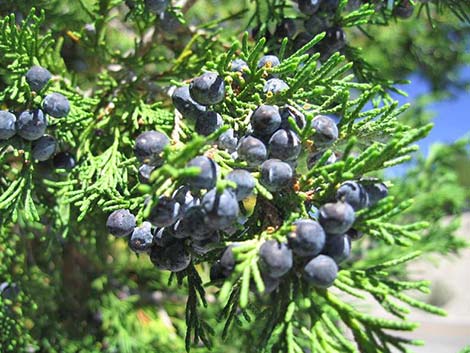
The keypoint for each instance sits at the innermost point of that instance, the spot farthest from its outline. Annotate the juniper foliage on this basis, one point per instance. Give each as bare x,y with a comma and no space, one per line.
70,287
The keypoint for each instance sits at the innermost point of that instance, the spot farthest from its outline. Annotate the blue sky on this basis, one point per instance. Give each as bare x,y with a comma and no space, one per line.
452,116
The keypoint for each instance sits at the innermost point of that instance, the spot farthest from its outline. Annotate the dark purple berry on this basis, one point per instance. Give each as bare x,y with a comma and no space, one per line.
326,131
207,89
44,148
204,246
37,77
31,124
275,258
64,160
321,271
187,106
308,239
165,212
141,239
252,150
192,224
145,171
284,145
265,120
173,257
207,176
120,223
7,125
375,192
245,183
290,112
228,141
221,208
268,61
56,105
208,122
336,218
239,65
275,86
149,146
275,174
354,194
338,247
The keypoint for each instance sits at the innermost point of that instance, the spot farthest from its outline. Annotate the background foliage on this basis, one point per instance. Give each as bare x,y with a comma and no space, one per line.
78,290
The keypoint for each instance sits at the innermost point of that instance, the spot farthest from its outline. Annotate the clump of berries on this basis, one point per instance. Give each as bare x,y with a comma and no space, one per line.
31,125
199,216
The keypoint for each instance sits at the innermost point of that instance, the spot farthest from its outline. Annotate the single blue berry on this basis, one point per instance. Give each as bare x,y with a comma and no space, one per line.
120,223
149,146
185,198
338,247
245,183
207,89
145,171
375,191
221,208
64,160
336,218
44,148
31,124
275,258
308,239
157,6
7,125
173,257
187,106
270,284
275,174
354,194
164,237
268,61
288,112
284,145
207,176
204,246
165,212
239,65
228,141
321,271
141,239
208,122
192,224
326,131
275,86
56,105
265,120
227,260
37,77
252,150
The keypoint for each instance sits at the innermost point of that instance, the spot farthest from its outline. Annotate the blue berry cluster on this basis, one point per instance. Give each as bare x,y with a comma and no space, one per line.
30,125
315,247
194,220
